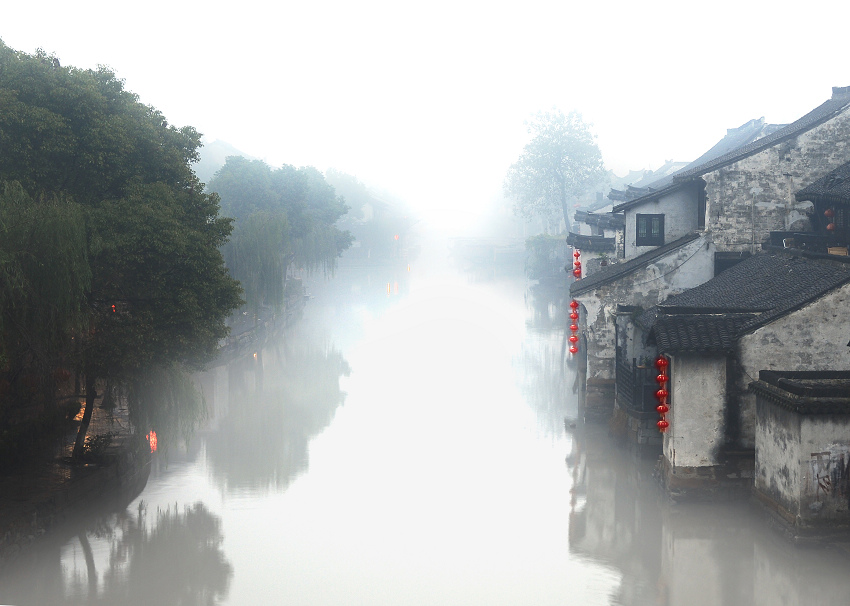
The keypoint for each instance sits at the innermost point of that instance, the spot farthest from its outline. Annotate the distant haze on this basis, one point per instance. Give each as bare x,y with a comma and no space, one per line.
429,100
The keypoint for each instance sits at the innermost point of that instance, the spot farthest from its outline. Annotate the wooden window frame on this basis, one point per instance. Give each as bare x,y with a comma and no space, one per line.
646,237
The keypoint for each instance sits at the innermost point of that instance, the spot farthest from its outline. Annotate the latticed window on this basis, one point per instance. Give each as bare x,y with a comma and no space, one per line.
650,230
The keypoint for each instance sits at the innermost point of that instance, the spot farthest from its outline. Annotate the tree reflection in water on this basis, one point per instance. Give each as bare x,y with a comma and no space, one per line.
278,401
176,558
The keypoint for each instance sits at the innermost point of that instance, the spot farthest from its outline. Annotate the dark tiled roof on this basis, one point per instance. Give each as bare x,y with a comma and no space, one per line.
592,243
735,138
829,109
708,162
647,319
807,393
652,195
603,220
834,187
612,273
813,383
699,332
750,294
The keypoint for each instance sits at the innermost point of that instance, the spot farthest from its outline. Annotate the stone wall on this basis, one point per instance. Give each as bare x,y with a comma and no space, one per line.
777,469
802,465
749,198
686,267
812,338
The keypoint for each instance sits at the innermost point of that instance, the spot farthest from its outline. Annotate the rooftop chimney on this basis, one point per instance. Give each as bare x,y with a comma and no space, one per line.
840,91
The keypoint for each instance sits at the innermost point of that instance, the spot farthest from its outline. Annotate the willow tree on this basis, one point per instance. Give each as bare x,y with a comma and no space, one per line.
44,279
159,292
257,255
560,163
285,219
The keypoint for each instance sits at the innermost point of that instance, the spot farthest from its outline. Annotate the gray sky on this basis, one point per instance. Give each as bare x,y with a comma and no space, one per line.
428,99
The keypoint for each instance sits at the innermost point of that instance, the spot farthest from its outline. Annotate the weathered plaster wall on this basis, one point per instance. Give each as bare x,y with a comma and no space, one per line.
824,474
684,268
812,338
777,467
754,196
697,402
680,217
802,463
597,324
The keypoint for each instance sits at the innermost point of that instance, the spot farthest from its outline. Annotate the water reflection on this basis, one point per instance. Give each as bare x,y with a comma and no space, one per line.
543,367
277,400
547,301
174,558
168,557
711,554
440,481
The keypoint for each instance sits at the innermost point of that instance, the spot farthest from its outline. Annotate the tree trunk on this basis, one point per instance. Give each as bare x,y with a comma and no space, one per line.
91,394
91,572
565,209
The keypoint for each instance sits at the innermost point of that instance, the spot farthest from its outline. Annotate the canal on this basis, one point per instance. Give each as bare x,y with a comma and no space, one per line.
415,440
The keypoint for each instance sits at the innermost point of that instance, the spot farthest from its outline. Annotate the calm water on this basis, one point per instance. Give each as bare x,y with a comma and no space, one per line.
405,444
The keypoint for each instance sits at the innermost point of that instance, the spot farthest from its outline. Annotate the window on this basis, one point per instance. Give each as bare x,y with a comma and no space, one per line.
650,230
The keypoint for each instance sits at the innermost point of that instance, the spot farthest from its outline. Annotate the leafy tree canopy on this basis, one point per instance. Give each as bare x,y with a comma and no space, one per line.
352,190
111,187
44,276
285,218
560,164
79,132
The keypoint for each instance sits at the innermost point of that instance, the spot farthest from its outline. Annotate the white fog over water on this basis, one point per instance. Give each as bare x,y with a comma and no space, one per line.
414,437
414,447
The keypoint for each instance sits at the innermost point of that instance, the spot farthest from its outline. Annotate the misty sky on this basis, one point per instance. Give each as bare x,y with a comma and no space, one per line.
428,100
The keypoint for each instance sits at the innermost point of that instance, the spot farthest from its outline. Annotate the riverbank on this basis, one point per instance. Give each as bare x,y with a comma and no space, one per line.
39,497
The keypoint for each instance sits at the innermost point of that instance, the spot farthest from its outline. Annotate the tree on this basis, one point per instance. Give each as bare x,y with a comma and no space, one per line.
560,164
156,292
44,279
284,219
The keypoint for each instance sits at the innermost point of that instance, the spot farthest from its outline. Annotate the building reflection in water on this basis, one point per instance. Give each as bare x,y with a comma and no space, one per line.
706,554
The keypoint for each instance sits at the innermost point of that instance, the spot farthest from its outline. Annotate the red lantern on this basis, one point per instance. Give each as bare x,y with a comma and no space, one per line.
573,339
661,363
661,394
662,409
831,227
662,424
573,316
574,304
574,327
577,264
577,254
662,378
829,213
573,349
577,273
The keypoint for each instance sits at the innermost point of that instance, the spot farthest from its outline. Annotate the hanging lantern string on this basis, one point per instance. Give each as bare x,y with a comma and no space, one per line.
661,363
574,305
